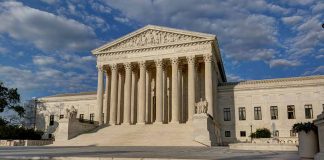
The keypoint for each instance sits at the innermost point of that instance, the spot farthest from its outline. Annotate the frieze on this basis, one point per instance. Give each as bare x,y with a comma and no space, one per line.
167,50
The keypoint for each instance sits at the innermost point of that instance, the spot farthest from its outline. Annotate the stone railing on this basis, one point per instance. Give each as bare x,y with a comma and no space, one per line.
25,142
279,140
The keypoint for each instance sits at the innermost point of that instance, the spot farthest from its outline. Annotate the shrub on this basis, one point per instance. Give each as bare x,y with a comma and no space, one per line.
20,133
306,127
261,133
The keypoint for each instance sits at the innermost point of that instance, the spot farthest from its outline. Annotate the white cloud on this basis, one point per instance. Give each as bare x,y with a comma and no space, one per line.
45,30
233,78
292,19
319,7
121,19
283,63
50,1
43,60
317,71
240,27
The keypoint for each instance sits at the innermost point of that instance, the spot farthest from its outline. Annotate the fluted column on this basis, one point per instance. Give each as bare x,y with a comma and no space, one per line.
180,93
99,117
159,90
113,95
175,93
134,96
191,87
127,92
141,96
107,96
209,83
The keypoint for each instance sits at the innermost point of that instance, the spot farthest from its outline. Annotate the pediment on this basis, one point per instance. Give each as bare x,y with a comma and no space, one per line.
152,36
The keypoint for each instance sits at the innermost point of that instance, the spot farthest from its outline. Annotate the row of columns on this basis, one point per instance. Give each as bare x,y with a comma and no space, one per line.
112,90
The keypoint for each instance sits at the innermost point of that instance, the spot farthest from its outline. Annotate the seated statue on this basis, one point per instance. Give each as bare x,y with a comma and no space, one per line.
201,107
71,113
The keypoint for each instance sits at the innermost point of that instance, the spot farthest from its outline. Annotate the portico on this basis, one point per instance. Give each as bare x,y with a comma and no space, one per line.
155,75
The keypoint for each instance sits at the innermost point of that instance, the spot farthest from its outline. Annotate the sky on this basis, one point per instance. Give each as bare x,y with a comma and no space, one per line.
45,44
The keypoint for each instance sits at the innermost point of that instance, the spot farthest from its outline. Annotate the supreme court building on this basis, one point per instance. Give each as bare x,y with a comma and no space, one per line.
150,83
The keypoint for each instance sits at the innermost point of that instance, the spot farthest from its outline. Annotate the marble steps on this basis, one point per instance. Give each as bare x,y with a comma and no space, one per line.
136,135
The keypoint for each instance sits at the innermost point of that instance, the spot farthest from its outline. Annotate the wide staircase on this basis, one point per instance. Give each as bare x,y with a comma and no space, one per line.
135,135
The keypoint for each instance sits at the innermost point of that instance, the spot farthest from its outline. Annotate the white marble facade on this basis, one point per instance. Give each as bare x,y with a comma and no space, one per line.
155,75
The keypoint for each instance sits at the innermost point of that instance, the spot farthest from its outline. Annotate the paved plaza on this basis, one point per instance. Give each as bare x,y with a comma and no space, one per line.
95,152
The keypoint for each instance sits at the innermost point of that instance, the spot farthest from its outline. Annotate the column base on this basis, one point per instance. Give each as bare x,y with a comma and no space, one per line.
125,124
140,123
158,123
174,122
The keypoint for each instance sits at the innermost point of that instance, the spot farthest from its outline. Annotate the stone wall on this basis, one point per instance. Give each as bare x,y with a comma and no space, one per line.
266,93
25,142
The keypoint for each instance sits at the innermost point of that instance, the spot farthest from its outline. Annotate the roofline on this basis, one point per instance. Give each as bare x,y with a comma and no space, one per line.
96,51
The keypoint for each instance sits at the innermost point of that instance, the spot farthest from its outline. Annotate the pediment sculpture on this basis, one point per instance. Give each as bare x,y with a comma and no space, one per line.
70,113
152,37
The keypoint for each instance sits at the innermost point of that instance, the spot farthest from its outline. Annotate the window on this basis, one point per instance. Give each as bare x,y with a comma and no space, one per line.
227,133
227,114
257,113
274,112
276,133
91,117
308,111
61,116
51,120
291,111
242,113
242,133
50,136
292,133
81,117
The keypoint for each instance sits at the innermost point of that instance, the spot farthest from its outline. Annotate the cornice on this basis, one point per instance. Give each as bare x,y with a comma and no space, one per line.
273,83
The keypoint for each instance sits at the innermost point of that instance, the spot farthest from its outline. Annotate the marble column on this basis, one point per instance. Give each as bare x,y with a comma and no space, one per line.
191,87
107,97
133,95
175,93
165,95
208,59
180,96
159,91
120,97
113,95
148,106
127,92
99,117
141,96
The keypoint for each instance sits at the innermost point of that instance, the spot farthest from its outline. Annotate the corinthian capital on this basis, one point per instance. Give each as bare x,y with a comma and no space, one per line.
142,64
174,61
100,68
113,67
191,59
158,62
208,58
128,66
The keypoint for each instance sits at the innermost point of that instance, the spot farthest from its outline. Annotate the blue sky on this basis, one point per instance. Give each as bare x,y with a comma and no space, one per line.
45,44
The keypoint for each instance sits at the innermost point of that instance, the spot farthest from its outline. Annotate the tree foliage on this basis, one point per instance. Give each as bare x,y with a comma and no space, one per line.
261,133
10,99
306,127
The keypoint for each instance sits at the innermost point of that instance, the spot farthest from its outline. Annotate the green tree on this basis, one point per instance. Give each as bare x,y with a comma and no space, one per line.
261,133
10,99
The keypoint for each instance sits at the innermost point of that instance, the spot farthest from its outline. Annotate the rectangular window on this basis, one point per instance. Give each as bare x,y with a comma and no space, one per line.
50,136
276,133
227,133
242,114
291,111
91,117
61,116
242,133
292,133
81,117
227,114
274,112
308,111
257,113
51,120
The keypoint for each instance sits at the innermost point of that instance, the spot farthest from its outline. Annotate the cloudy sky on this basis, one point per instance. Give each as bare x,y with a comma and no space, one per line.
45,44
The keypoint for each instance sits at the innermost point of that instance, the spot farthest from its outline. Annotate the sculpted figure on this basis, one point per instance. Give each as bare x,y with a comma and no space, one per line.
73,112
201,107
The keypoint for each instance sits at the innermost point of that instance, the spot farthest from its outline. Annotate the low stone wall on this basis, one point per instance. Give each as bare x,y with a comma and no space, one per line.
25,142
263,147
279,140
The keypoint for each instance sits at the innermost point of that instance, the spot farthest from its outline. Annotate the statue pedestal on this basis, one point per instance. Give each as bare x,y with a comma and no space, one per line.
204,129
71,127
319,122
